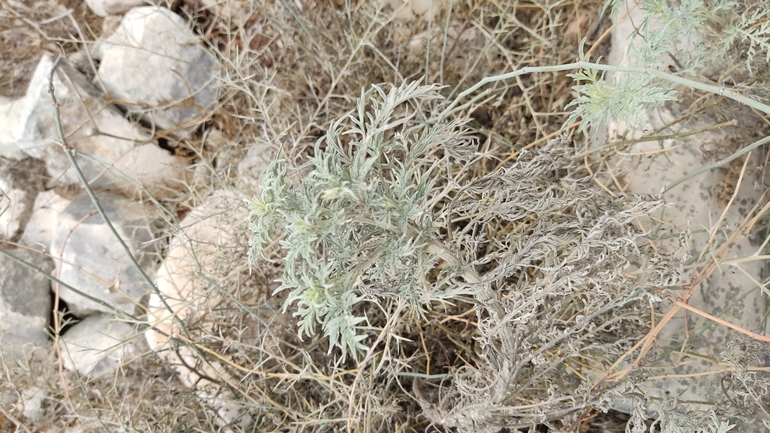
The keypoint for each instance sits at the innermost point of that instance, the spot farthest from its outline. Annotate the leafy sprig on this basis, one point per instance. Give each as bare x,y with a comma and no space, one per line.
684,38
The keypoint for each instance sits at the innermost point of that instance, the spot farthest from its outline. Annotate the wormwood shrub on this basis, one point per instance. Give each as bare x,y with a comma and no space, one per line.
361,221
396,204
390,206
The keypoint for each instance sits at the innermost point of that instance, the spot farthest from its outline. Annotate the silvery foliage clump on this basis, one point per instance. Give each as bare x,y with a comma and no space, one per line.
560,300
387,207
694,37
358,223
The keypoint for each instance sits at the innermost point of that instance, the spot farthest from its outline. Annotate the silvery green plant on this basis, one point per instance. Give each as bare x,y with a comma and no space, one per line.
358,217
360,221
694,36
387,196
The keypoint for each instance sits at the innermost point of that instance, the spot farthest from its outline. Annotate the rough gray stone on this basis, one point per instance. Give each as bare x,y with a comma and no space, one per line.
156,63
93,127
22,290
99,344
19,184
25,304
92,259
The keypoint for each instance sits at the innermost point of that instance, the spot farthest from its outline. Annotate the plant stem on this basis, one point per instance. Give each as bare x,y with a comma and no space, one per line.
751,334
720,163
649,138
722,91
68,151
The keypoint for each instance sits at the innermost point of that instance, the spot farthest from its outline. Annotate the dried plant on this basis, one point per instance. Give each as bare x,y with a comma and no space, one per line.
387,208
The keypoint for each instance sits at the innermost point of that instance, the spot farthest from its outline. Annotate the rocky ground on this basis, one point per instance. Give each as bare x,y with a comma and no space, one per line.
148,96
155,84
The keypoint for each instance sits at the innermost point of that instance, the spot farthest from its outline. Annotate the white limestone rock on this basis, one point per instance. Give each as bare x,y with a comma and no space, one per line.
31,403
156,63
103,8
99,344
21,336
110,23
252,168
9,118
38,233
455,32
92,126
200,249
27,399
255,163
25,305
205,169
407,10
92,259
236,12
148,169
13,204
